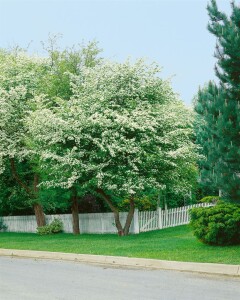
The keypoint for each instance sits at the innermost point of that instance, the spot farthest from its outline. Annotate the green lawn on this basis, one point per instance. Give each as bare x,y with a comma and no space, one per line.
169,244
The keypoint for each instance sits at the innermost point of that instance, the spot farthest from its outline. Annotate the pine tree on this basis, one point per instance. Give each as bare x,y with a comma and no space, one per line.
206,105
227,108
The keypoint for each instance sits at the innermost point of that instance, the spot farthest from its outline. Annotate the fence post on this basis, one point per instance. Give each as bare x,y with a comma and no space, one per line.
136,222
160,225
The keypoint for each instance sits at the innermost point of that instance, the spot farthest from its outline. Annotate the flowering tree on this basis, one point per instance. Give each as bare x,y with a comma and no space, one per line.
56,87
22,79
122,132
19,76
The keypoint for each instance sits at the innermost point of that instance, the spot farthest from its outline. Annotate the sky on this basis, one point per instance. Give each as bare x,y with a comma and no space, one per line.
172,33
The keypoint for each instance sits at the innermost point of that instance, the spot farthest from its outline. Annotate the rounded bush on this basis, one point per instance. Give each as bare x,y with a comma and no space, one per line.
217,225
55,226
210,199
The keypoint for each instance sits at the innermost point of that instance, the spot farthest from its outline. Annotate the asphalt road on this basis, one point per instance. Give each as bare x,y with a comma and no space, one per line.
45,279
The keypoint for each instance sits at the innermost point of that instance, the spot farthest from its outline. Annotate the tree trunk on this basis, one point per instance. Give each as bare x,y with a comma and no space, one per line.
39,214
129,217
33,193
114,210
38,210
118,223
75,213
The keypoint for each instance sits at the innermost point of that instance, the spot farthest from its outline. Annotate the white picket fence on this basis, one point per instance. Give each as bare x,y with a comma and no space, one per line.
159,219
89,223
104,222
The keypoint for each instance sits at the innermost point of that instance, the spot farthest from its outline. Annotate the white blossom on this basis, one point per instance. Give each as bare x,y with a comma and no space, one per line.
123,130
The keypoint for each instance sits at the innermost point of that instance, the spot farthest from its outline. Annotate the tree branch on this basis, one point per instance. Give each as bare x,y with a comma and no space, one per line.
16,176
114,210
107,199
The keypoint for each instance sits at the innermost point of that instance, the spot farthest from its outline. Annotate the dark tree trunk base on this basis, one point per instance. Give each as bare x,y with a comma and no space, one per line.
121,231
40,217
129,217
75,213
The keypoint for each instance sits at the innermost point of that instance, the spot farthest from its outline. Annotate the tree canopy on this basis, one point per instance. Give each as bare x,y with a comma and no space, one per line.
72,121
122,132
25,77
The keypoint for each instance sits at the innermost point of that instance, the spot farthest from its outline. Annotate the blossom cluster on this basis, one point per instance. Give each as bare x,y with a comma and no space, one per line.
121,128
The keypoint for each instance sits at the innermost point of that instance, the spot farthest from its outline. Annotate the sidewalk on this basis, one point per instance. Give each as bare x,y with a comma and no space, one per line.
220,269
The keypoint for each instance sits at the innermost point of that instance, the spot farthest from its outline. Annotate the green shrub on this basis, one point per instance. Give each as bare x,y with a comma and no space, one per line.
210,199
55,226
43,230
217,225
2,225
142,204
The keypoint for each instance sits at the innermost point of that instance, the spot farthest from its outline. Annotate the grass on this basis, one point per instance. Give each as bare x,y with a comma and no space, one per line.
176,243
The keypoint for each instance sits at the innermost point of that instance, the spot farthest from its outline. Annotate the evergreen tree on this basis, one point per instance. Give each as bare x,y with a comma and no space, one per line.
224,137
207,103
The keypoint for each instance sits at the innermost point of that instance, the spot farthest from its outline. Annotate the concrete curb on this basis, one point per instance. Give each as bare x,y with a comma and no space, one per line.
209,268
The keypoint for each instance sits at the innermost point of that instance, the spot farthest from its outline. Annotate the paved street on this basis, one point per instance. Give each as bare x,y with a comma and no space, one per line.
45,279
